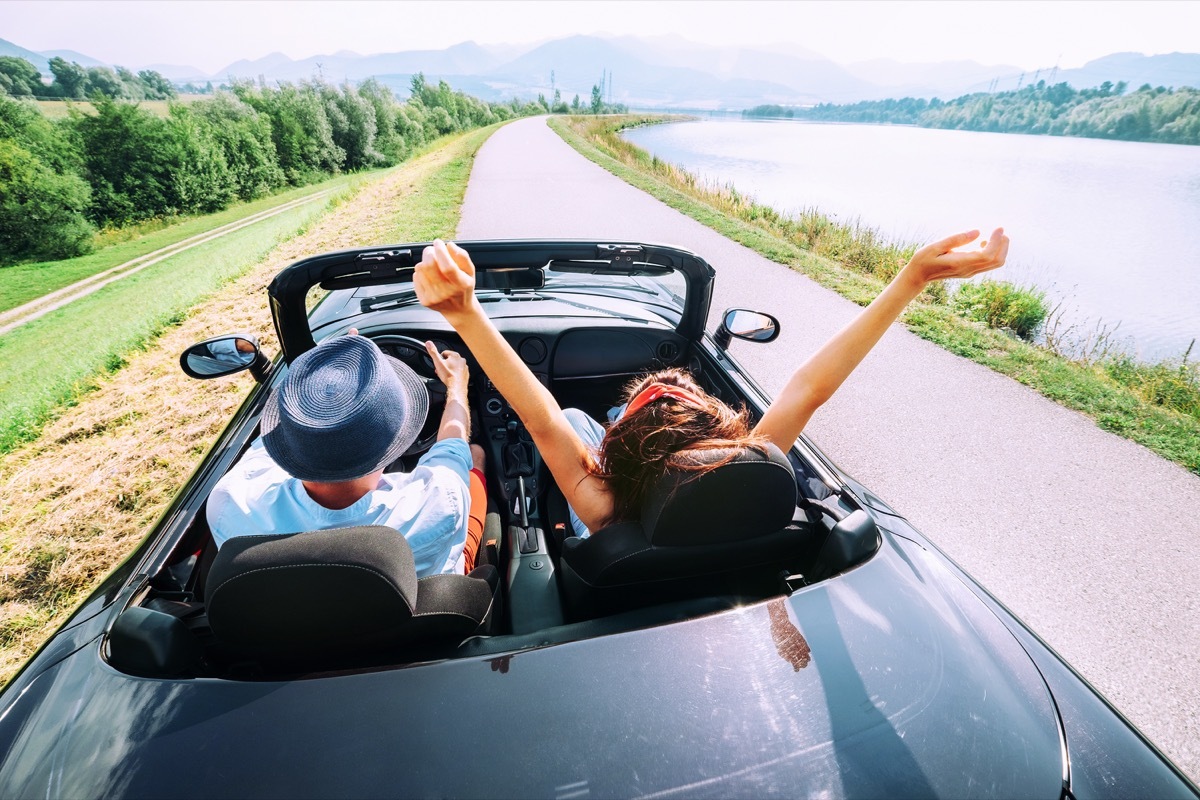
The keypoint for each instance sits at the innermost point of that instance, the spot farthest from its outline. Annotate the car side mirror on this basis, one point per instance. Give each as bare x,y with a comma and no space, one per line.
225,355
742,323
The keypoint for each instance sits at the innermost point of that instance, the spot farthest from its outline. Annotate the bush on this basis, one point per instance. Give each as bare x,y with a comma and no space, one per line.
130,160
999,304
201,179
245,138
41,211
1171,384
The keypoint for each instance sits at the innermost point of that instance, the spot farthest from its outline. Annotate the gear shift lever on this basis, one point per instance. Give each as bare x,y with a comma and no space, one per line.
518,461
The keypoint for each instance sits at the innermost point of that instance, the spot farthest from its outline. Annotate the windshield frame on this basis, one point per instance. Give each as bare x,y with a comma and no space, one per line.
394,266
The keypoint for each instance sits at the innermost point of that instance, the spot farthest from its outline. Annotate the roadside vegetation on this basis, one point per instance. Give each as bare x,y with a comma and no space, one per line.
1150,114
77,499
49,362
21,283
1008,328
64,183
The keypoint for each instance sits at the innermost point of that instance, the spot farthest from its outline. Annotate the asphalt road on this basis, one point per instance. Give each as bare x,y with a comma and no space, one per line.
1089,538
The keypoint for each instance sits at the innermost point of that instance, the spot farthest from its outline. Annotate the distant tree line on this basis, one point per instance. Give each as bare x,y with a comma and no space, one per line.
118,163
1105,112
19,78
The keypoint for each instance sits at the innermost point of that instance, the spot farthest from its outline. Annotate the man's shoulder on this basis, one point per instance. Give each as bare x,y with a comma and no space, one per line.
453,453
254,476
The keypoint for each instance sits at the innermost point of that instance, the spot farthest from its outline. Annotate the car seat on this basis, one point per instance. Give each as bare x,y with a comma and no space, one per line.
727,531
338,593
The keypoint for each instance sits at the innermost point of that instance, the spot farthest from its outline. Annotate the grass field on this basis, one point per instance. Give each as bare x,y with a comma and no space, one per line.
76,500
57,109
24,282
48,361
1155,405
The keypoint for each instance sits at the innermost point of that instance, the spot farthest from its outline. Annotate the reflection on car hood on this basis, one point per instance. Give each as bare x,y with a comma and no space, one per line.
893,679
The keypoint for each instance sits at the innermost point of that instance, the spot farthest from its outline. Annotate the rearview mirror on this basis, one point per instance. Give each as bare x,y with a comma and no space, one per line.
510,278
224,355
742,323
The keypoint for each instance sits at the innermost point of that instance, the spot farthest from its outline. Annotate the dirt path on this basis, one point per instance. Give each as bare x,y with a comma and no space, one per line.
43,305
1089,538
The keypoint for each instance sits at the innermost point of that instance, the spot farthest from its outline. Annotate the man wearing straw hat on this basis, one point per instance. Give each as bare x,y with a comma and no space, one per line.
343,413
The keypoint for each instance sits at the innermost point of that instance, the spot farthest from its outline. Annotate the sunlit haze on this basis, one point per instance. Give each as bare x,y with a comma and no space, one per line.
210,35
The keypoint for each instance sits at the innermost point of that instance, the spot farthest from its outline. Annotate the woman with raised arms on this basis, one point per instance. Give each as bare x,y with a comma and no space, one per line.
604,474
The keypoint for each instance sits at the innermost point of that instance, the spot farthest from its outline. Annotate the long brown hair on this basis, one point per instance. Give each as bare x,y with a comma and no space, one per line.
643,445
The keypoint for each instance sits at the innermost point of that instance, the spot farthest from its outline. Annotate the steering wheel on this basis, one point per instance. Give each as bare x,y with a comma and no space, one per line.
411,352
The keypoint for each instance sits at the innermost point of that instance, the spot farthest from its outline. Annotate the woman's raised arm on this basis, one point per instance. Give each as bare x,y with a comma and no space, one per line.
819,377
445,282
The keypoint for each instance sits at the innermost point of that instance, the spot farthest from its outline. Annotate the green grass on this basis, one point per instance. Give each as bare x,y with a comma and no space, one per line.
431,210
1157,405
48,363
24,282
60,109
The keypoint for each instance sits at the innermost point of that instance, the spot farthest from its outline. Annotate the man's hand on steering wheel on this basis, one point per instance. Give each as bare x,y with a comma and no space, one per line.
451,369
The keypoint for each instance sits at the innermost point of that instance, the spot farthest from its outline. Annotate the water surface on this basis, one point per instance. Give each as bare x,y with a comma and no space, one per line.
1111,229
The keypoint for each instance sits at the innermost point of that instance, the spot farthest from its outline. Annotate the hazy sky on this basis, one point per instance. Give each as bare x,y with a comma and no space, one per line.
210,34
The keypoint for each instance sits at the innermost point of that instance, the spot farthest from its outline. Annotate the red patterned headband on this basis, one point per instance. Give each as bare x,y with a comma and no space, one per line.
656,391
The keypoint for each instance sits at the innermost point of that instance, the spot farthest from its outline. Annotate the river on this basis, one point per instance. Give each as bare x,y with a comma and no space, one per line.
1109,229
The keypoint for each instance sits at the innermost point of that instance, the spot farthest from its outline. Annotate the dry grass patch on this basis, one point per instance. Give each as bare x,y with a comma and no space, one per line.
74,502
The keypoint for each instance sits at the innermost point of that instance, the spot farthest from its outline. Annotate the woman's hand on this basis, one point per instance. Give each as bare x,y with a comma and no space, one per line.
445,279
818,378
938,261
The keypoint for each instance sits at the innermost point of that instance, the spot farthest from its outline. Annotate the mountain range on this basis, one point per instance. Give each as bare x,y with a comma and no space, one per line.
666,72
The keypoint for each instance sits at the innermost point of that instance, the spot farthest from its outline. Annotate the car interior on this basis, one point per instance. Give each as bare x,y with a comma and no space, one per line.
760,525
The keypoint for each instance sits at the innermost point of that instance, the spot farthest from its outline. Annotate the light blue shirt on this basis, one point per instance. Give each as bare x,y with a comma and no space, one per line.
428,506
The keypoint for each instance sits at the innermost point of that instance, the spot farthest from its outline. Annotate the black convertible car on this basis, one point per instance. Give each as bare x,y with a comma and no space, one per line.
769,629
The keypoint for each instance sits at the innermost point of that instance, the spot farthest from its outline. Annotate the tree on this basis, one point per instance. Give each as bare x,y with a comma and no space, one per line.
41,211
245,137
200,176
157,87
25,125
352,118
300,129
19,78
597,99
389,140
70,79
128,158
107,83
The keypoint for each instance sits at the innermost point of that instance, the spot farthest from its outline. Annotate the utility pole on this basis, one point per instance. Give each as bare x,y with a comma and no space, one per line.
1020,80
551,86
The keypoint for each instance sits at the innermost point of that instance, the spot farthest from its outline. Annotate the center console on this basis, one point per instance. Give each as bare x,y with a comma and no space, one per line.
516,472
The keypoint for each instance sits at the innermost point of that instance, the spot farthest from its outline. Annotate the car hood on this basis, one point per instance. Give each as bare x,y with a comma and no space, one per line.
892,679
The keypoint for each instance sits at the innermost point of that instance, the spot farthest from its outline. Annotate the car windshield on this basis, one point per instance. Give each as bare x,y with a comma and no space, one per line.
663,293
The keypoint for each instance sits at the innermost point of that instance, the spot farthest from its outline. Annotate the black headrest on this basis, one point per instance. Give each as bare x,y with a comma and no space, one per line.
751,495
311,591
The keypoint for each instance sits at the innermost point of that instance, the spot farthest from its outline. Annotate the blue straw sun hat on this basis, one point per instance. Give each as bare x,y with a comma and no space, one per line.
344,410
